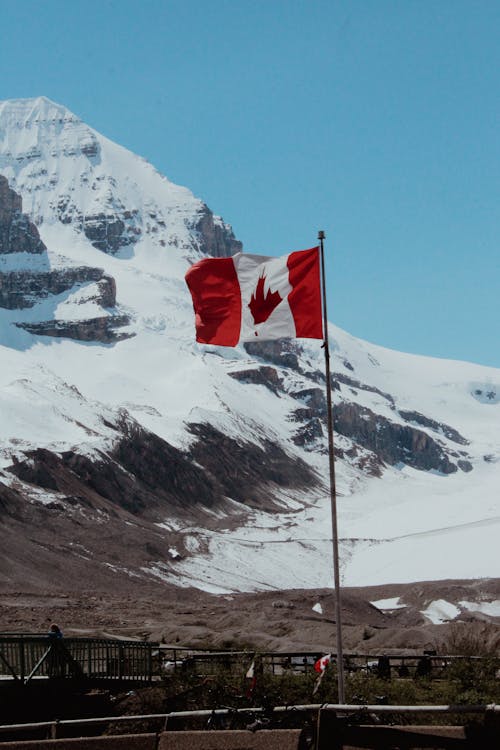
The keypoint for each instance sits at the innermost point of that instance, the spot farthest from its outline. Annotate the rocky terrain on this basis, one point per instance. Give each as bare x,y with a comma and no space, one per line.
23,287
274,621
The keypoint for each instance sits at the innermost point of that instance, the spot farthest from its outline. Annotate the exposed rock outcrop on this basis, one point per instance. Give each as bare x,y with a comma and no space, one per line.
375,439
236,467
393,443
438,427
356,385
308,433
314,399
281,352
119,227
23,289
94,329
108,230
17,233
216,237
264,375
147,476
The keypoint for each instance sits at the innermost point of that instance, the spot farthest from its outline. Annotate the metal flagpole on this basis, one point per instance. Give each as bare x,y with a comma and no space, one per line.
333,491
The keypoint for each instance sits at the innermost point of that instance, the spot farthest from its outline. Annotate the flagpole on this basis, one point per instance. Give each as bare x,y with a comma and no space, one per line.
333,491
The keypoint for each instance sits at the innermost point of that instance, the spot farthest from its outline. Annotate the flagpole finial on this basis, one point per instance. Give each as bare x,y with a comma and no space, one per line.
321,235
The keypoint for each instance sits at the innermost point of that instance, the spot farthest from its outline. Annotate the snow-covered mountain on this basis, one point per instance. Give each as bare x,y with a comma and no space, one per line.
130,453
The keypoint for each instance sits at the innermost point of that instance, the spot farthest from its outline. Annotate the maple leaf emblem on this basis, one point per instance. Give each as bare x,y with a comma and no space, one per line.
261,305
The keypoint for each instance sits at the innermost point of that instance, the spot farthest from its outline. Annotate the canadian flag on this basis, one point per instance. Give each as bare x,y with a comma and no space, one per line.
256,297
250,675
322,663
320,666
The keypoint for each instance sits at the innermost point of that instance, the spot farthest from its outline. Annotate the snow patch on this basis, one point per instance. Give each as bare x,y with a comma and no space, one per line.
486,608
192,544
440,611
389,604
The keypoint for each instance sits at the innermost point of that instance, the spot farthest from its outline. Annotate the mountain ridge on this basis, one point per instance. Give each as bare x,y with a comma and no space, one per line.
117,423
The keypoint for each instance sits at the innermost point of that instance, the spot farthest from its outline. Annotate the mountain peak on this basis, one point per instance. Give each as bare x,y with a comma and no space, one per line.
34,110
67,173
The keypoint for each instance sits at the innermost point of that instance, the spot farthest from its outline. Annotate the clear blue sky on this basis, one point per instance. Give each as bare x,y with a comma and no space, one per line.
375,120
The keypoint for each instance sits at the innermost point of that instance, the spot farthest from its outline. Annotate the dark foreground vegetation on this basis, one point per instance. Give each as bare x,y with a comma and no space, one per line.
469,682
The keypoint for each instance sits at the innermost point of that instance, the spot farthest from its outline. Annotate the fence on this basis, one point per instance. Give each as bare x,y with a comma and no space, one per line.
24,658
386,666
27,657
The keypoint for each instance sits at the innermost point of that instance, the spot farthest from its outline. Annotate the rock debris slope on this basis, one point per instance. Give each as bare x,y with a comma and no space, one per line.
129,454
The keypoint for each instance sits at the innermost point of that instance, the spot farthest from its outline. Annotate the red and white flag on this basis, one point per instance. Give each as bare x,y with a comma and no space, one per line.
322,663
251,676
256,297
320,666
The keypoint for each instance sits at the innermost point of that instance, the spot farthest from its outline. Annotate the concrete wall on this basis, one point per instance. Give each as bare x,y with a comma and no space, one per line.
267,739
332,736
118,742
275,739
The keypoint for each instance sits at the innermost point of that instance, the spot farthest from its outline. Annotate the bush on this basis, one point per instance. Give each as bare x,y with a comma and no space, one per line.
472,639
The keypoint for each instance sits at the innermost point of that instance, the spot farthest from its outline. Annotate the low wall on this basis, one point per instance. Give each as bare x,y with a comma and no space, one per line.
115,742
273,739
267,739
339,737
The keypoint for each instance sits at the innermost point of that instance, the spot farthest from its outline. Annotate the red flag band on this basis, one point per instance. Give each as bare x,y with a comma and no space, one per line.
256,297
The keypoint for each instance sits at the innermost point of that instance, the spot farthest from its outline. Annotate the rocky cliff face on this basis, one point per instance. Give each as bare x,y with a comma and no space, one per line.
25,288
393,443
17,233
216,237
108,231
374,440
103,329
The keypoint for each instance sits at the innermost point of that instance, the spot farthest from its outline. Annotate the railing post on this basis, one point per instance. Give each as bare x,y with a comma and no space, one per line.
121,659
22,665
150,663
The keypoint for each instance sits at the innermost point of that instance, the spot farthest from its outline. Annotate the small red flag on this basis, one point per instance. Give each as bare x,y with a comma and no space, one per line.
322,663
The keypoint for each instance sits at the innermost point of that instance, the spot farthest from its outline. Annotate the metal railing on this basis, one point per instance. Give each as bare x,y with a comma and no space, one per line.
27,657
55,728
278,663
24,658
